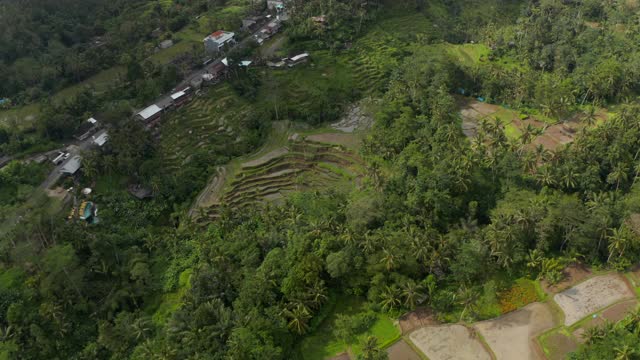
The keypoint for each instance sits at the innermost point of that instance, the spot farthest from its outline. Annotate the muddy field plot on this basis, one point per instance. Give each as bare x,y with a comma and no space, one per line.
558,345
591,296
402,351
512,336
448,342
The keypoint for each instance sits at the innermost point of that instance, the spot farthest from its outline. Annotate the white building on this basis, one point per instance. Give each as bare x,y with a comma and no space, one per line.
217,41
151,113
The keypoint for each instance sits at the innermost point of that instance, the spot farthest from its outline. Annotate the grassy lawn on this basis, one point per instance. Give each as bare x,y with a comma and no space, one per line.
322,343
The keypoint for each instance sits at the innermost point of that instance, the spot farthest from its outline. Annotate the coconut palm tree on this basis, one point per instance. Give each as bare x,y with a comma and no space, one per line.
298,316
618,241
625,352
390,298
412,294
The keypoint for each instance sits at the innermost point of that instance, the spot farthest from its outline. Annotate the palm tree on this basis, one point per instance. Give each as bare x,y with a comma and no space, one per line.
618,174
317,294
298,318
569,178
545,176
389,259
625,352
467,297
617,242
412,294
390,298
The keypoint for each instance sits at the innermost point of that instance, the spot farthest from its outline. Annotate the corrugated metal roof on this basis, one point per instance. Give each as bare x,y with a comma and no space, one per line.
150,111
101,139
178,95
72,165
300,57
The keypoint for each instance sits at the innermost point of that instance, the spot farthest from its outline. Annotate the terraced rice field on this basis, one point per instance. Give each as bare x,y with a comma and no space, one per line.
378,53
212,123
301,164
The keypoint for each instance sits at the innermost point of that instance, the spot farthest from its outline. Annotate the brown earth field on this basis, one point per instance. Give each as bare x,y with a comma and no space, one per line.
560,345
592,295
448,342
402,351
512,336
416,319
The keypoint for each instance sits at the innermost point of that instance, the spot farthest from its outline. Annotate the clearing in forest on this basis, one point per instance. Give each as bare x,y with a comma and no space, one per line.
512,336
444,342
591,296
554,135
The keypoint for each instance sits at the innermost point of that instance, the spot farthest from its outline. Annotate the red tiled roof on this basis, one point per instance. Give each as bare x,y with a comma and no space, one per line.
217,34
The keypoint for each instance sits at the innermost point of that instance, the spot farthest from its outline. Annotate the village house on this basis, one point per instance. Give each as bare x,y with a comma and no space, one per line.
251,24
178,99
218,40
166,44
86,129
72,166
150,114
297,60
101,138
271,29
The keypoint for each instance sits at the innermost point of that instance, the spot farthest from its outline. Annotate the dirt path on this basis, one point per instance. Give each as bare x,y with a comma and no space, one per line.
511,336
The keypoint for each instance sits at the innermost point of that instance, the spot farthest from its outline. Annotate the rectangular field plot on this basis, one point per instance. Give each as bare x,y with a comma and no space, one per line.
448,342
591,296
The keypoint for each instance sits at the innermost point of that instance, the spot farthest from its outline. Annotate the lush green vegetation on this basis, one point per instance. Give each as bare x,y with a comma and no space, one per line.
460,225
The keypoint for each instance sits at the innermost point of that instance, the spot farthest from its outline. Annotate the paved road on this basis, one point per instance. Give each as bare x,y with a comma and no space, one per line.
75,148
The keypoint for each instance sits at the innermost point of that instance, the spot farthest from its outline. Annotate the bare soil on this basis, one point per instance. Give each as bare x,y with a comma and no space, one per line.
347,140
448,342
572,275
512,336
591,296
416,319
343,356
560,345
578,334
354,119
402,351
619,311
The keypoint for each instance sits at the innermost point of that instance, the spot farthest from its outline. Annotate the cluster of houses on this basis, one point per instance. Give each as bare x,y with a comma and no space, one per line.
216,43
91,128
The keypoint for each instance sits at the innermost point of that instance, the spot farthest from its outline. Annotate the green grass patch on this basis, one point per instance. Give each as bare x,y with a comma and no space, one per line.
165,56
322,343
110,183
